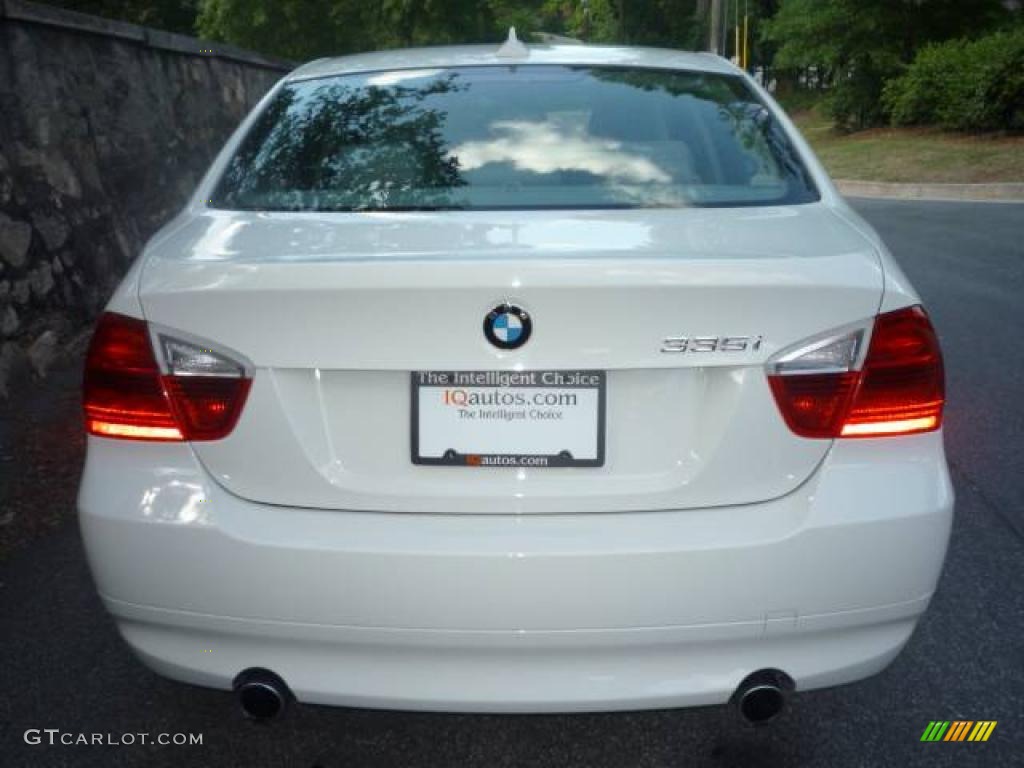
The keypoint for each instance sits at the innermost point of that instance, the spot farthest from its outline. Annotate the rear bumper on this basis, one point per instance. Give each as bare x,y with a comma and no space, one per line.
505,671
528,613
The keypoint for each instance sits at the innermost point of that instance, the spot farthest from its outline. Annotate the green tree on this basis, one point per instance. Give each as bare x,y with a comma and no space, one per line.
171,15
854,46
293,29
304,29
963,85
668,23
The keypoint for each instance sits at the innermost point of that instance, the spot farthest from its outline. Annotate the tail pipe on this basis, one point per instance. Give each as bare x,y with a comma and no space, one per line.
262,695
762,695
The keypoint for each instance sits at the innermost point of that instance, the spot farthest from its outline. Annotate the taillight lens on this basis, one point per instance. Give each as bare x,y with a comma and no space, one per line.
207,409
823,390
125,394
122,393
902,387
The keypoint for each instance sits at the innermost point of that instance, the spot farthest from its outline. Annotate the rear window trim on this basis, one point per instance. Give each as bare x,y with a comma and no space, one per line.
742,78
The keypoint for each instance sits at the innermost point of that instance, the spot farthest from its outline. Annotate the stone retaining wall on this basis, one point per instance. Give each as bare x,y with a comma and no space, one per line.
105,129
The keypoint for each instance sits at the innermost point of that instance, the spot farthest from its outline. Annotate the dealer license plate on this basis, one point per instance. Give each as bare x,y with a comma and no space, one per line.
508,418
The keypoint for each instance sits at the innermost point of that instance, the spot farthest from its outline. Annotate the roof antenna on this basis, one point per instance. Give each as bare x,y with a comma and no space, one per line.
512,48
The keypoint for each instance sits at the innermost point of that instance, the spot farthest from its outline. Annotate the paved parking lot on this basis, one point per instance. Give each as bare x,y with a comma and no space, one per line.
63,666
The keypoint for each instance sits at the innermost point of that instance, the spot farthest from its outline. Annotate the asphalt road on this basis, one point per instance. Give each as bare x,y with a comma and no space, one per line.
63,666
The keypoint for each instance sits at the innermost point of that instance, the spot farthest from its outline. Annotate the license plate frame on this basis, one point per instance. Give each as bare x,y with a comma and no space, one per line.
588,385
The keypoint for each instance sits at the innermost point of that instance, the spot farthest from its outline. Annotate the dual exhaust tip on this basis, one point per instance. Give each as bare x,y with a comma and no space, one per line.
760,697
262,695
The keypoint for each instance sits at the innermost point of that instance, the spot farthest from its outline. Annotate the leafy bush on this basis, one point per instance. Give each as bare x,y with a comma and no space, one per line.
855,102
795,100
963,85
855,46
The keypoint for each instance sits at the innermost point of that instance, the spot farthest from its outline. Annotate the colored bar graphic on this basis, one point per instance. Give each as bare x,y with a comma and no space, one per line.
935,730
982,730
958,730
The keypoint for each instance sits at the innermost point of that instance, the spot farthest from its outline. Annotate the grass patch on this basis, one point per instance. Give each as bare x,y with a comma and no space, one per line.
913,154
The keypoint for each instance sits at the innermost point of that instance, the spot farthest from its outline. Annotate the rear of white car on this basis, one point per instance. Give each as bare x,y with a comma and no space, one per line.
558,383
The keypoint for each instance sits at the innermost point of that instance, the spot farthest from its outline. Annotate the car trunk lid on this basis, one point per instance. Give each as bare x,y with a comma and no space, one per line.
335,311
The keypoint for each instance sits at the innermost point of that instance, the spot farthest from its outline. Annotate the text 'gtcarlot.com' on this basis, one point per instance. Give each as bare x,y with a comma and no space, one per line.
55,736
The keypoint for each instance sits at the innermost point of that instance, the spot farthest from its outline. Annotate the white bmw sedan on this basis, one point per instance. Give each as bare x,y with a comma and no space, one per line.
519,380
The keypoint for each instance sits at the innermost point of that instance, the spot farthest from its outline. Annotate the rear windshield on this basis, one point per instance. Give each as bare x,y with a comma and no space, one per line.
514,137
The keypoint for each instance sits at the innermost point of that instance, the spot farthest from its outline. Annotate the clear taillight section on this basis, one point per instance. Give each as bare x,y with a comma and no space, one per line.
126,395
832,387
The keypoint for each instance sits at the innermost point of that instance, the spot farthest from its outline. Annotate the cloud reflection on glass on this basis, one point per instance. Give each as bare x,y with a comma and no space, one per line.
546,147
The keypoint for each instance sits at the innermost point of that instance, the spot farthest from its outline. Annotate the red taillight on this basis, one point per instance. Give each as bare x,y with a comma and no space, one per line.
208,407
899,389
902,386
814,405
126,396
122,393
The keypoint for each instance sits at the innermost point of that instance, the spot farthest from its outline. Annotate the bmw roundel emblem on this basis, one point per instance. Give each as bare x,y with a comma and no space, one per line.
507,326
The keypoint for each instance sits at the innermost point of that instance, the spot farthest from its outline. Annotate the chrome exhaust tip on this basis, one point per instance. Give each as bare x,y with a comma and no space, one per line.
262,695
762,695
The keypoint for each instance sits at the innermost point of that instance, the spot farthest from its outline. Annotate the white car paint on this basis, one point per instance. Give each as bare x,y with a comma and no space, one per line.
682,422
714,541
